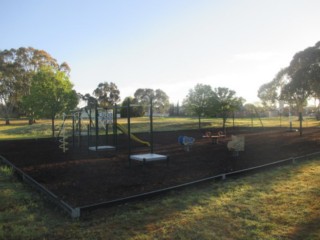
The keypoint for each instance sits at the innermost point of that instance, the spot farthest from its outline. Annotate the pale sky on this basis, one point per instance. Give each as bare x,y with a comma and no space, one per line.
165,44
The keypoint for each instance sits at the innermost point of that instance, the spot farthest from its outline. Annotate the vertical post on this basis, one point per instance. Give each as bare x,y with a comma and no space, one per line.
232,121
151,125
88,139
79,129
129,130
97,123
107,129
300,120
73,129
115,133
290,119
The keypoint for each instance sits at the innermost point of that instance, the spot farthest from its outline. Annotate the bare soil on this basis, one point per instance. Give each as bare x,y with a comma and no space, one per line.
81,177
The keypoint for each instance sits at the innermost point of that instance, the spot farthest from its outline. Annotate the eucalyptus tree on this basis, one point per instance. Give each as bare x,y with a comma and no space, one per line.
17,67
302,80
304,71
199,101
225,102
10,85
135,111
107,94
269,93
51,93
159,99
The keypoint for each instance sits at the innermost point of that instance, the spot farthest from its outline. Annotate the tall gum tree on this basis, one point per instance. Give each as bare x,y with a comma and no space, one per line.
159,98
51,93
225,103
107,94
199,101
302,79
17,67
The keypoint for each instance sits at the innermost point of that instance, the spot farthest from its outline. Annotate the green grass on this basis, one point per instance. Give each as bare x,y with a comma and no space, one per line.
276,204
20,129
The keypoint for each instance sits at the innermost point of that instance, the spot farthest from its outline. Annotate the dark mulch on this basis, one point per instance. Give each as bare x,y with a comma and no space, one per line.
80,177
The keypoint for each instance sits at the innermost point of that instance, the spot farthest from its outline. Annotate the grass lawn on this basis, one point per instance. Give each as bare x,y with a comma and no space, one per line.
21,129
282,203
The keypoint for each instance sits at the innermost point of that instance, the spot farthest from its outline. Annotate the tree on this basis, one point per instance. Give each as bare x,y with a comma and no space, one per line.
107,94
304,79
160,99
269,93
135,111
198,101
17,67
51,94
225,102
10,73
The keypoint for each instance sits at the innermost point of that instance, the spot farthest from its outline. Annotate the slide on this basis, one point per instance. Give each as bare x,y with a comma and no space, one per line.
125,131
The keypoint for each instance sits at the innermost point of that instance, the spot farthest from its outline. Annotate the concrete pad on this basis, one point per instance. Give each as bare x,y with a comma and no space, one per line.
148,157
102,148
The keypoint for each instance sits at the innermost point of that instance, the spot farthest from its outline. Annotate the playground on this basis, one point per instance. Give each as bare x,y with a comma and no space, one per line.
81,177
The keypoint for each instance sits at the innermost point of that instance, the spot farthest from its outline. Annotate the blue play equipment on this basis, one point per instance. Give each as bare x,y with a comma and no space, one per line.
186,142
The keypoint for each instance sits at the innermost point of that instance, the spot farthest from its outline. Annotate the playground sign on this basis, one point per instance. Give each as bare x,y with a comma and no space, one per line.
106,117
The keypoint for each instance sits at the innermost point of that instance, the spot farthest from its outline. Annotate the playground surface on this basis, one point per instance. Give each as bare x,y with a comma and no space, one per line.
81,177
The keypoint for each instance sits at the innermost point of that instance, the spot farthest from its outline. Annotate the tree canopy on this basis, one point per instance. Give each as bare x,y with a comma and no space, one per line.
50,94
160,99
199,101
107,94
296,83
225,102
135,111
269,93
17,67
203,101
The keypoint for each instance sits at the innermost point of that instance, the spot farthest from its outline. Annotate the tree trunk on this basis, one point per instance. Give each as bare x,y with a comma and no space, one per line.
31,120
199,121
224,120
7,121
52,126
300,120
233,120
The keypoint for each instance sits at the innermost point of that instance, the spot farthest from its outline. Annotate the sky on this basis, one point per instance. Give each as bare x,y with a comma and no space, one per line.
170,45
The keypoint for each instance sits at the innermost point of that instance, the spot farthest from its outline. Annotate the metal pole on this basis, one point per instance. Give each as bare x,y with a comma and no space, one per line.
151,125
129,131
115,131
88,139
73,129
97,127
79,129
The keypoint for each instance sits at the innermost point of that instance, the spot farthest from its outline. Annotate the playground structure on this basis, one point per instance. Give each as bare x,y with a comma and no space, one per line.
98,118
186,142
146,157
236,145
63,141
214,137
